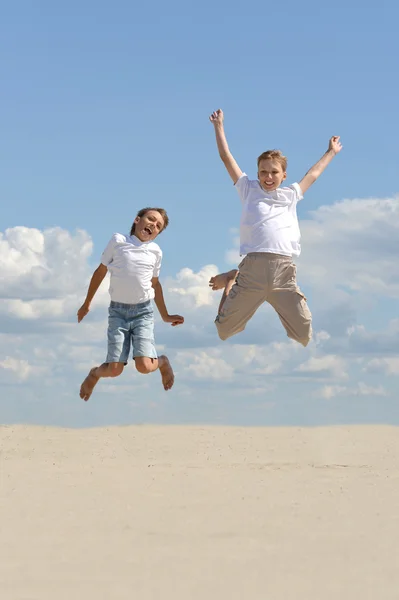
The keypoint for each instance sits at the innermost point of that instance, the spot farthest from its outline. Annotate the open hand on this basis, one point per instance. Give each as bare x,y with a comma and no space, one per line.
82,312
334,144
217,117
174,320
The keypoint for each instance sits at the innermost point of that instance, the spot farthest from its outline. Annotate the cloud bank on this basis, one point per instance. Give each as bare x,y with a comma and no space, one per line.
348,269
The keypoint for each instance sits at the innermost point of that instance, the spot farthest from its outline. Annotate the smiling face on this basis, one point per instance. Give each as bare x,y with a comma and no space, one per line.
270,174
149,225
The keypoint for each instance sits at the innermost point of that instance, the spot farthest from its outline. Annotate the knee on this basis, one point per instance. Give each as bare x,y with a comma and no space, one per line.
144,364
305,335
115,369
223,332
223,335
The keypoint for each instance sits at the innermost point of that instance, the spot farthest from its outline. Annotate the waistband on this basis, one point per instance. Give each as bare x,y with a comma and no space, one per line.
114,304
270,255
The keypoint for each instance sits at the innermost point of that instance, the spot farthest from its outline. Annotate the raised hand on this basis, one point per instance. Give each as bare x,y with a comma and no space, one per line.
217,117
334,144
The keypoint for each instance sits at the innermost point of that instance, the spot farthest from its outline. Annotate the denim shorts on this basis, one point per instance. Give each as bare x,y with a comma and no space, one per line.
130,325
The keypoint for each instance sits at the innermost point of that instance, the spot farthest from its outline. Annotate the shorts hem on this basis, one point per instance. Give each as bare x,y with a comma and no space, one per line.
145,355
112,360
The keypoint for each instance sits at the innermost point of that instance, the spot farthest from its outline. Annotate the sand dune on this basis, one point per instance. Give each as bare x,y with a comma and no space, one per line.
196,513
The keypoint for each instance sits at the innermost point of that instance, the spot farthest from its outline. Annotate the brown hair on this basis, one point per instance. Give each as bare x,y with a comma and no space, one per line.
274,155
143,211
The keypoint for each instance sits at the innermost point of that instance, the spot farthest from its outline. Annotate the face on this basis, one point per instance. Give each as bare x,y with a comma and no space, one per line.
148,226
270,174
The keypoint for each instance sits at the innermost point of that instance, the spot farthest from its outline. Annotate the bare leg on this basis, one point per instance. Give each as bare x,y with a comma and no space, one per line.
220,281
148,365
226,281
168,377
95,374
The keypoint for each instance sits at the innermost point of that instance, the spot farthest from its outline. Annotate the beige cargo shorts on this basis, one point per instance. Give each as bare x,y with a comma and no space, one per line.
265,277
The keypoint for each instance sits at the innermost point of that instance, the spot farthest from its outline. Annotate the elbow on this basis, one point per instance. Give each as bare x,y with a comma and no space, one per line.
225,157
313,175
101,270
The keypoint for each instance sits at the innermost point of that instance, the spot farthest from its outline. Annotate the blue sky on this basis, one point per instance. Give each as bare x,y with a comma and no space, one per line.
104,110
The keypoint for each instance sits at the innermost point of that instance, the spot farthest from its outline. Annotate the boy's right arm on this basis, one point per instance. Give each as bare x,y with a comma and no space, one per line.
95,283
232,167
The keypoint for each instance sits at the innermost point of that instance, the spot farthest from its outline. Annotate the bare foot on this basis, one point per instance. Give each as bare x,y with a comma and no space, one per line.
167,374
219,282
88,385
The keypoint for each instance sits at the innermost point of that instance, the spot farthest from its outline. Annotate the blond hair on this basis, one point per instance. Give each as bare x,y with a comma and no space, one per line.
276,155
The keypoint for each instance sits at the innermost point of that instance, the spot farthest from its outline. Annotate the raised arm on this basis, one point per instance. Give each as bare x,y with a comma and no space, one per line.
232,167
334,147
95,283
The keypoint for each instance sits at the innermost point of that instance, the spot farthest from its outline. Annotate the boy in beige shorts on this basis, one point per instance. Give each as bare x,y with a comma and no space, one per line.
269,239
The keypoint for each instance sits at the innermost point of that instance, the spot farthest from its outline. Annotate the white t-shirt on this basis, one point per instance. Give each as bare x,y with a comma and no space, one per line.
132,264
269,222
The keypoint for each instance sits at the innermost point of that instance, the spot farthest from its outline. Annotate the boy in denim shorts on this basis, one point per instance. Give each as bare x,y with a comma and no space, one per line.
269,239
134,262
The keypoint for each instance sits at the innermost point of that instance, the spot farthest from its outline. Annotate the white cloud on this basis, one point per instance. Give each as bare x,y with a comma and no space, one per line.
360,389
243,363
192,288
204,364
232,256
36,309
353,243
388,365
329,364
363,389
46,275
268,359
382,342
34,264
21,368
319,337
330,391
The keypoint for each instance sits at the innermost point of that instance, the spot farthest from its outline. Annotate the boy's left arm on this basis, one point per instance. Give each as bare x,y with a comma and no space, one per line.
160,302
334,147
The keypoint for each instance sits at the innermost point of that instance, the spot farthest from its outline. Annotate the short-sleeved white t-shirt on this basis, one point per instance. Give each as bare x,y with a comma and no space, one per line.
269,222
132,264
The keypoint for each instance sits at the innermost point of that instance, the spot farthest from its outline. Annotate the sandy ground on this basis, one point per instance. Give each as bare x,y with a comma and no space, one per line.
204,513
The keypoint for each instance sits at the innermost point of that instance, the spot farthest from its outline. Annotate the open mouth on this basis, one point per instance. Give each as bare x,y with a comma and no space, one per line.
148,230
